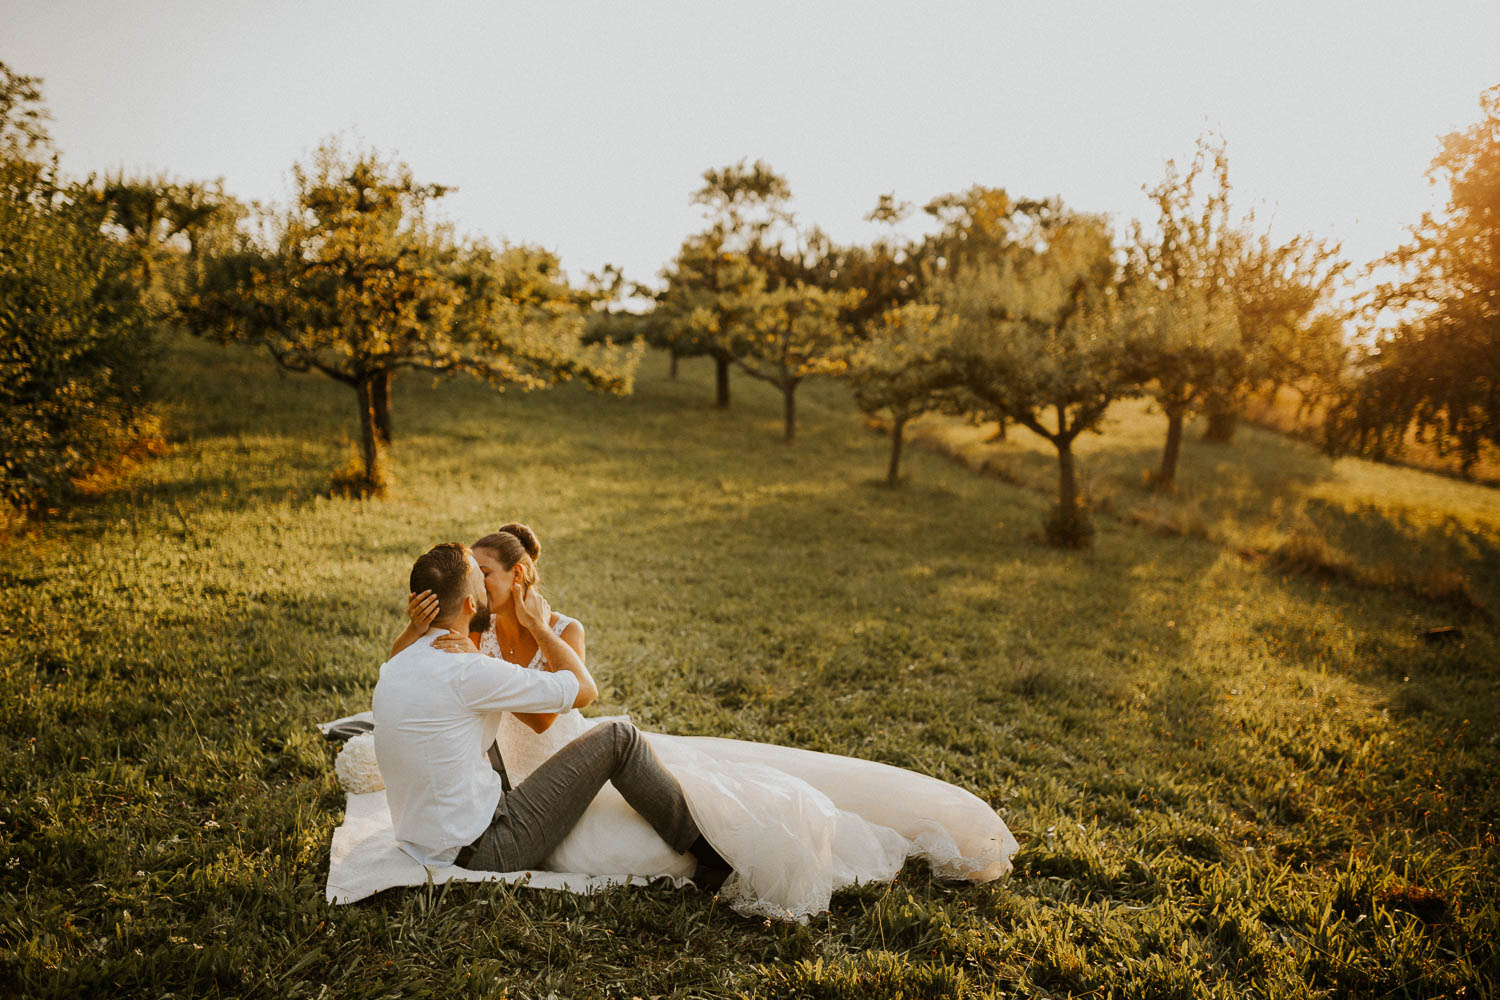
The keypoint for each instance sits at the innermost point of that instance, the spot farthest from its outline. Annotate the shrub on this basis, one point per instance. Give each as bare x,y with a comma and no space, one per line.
74,338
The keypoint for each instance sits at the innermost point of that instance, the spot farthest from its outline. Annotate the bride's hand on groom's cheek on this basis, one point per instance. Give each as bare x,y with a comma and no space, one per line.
454,642
532,608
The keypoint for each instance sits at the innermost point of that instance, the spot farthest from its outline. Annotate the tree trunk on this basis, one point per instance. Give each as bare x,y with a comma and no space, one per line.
369,436
1068,524
1222,421
898,433
721,382
380,391
1067,479
789,410
1166,478
672,368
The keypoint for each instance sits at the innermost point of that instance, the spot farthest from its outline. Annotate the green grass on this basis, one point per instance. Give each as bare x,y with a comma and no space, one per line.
1396,525
1227,779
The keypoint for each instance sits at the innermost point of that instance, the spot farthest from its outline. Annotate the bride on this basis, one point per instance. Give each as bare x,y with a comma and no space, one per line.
795,825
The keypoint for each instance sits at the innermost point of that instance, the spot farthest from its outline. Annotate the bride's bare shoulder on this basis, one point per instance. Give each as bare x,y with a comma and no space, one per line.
572,633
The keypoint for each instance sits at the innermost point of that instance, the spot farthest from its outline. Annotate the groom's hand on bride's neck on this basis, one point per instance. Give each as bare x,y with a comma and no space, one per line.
454,642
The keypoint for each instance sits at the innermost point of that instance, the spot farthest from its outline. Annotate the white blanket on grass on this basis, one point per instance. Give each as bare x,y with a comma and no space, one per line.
364,858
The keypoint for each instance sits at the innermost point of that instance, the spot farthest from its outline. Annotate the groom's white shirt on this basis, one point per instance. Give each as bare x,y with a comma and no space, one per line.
433,711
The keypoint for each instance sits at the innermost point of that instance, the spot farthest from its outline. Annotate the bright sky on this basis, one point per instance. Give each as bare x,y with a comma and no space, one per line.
585,126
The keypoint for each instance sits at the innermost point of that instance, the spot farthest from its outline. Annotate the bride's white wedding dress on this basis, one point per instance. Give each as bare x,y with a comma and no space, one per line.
794,824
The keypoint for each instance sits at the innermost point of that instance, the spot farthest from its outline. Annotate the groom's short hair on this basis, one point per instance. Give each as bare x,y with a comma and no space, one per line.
443,569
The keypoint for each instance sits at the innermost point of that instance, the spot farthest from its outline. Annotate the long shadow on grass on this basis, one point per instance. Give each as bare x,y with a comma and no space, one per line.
1265,481
1379,536
1258,470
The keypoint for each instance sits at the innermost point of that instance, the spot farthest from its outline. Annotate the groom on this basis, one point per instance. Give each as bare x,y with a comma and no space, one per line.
450,801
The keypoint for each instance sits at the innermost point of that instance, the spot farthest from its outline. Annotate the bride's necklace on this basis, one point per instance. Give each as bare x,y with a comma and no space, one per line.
508,648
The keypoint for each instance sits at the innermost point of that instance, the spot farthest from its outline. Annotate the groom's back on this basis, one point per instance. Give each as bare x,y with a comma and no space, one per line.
429,746
416,688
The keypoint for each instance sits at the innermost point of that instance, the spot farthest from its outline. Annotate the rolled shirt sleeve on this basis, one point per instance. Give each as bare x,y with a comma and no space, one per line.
486,684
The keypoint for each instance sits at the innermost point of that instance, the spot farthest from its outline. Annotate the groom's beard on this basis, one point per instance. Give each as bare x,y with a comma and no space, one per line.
481,620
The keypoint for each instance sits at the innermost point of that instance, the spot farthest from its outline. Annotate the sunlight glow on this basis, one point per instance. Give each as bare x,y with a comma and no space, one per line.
584,126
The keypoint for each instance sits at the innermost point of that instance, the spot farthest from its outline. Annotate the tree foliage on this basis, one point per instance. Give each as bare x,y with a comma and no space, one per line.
746,203
1438,371
23,116
1185,335
978,228
357,281
902,369
754,290
888,270
787,334
152,214
1039,338
74,338
699,312
744,206
1219,313
1291,330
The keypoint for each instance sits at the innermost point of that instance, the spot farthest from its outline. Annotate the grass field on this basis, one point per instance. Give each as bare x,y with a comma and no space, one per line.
1229,778
1269,495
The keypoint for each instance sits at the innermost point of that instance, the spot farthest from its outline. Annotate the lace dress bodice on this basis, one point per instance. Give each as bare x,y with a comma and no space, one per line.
521,747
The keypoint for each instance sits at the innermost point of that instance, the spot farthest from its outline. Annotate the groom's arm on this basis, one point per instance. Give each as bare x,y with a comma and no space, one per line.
488,684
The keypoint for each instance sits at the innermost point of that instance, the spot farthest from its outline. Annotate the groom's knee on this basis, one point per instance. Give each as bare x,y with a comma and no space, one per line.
622,735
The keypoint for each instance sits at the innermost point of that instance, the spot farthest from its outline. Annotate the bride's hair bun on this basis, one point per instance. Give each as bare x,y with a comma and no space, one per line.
510,543
526,537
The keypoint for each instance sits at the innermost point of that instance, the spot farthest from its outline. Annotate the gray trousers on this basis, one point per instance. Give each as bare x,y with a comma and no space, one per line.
535,816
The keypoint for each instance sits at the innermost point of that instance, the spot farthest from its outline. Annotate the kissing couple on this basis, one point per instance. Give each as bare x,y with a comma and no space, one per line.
490,766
